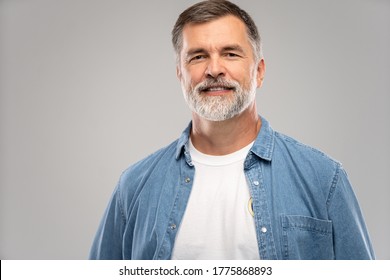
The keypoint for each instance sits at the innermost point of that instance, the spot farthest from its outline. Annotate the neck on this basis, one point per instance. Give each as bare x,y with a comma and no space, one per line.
225,137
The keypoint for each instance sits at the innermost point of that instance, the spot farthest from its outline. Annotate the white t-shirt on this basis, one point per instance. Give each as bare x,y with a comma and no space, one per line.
217,222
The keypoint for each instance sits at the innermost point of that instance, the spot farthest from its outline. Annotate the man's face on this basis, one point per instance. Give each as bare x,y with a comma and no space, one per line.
217,68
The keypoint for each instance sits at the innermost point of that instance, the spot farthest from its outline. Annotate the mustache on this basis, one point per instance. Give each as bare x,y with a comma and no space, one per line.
213,83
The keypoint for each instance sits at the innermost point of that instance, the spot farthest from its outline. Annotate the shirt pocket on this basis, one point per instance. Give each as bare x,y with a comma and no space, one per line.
306,238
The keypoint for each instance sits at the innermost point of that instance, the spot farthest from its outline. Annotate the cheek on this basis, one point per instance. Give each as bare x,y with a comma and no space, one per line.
240,72
193,77
243,78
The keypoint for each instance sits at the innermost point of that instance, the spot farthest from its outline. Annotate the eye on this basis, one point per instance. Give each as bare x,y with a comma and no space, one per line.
197,57
230,54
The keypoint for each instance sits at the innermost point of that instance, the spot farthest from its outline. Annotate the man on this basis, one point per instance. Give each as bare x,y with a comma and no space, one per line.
230,187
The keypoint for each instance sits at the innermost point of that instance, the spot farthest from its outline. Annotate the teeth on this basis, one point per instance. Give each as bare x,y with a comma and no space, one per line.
217,89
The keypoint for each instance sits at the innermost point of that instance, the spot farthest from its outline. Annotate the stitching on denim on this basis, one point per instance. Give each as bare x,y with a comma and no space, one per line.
269,238
285,252
303,145
179,193
333,186
287,224
161,250
310,229
121,208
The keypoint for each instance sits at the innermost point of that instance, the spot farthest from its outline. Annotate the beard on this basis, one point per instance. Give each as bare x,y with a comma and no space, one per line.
220,107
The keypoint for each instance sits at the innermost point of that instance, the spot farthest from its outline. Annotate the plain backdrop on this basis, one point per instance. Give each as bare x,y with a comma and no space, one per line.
89,87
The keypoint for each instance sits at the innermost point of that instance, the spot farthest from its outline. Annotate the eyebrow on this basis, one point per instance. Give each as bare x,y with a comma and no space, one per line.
237,48
194,51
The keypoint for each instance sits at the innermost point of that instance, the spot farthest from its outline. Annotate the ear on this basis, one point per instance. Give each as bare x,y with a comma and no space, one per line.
260,73
178,72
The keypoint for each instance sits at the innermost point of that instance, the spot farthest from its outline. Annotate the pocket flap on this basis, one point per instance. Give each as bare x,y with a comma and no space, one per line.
306,223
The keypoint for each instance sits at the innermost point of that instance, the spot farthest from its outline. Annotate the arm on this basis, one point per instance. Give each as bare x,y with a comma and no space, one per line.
108,239
350,235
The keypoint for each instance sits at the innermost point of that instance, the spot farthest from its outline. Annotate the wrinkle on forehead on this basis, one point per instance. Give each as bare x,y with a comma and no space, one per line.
216,35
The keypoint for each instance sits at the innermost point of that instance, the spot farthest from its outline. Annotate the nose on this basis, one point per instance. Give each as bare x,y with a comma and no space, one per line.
215,68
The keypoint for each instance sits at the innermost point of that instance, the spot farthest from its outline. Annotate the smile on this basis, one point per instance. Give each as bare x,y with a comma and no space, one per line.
217,89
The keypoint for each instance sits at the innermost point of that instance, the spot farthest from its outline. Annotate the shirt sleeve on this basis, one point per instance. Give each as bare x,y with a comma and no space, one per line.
107,244
350,236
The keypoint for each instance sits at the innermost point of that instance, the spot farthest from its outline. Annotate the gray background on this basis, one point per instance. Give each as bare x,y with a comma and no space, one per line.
89,87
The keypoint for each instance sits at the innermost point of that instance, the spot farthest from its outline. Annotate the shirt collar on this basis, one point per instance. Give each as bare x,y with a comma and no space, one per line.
264,143
182,143
263,146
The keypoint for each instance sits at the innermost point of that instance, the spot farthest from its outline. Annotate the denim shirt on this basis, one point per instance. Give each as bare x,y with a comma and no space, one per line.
304,206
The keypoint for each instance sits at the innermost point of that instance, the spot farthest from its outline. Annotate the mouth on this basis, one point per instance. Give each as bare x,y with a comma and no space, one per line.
216,90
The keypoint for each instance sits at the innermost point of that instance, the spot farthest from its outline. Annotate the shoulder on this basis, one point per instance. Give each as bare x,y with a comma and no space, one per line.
304,157
285,143
150,171
133,180
310,166
147,164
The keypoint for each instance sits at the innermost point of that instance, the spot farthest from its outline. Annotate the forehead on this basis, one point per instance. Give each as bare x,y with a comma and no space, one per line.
226,30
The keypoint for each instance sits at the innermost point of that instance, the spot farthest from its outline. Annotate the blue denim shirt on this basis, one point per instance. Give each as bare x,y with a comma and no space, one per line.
304,206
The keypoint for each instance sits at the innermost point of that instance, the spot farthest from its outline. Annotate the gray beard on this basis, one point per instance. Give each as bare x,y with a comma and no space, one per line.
221,107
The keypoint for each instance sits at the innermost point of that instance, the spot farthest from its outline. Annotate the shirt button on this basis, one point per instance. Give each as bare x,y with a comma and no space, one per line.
256,183
173,226
263,229
187,180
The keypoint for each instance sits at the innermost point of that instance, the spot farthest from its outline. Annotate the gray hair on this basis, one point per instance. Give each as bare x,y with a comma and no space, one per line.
210,10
